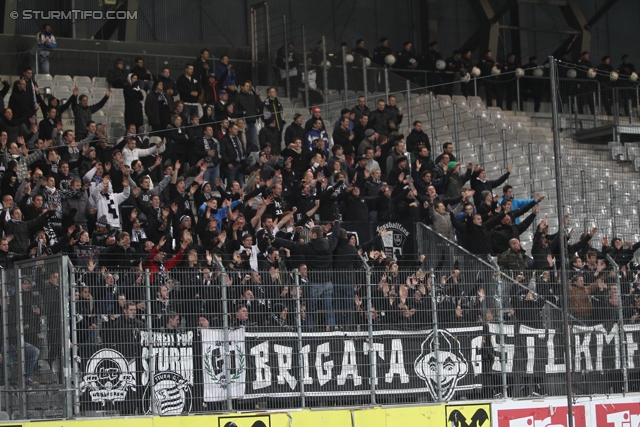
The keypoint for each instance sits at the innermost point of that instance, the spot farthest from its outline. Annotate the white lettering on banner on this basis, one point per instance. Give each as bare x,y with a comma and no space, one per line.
582,347
260,355
349,365
632,347
531,344
603,337
551,367
323,371
284,365
396,363
509,349
378,351
476,355
173,377
305,364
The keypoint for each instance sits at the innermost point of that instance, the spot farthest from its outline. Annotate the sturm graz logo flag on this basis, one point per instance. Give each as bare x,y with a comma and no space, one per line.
109,377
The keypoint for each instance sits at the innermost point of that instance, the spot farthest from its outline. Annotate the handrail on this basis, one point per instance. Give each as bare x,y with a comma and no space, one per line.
153,55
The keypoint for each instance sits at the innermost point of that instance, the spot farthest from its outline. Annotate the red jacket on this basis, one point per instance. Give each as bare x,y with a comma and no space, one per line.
154,267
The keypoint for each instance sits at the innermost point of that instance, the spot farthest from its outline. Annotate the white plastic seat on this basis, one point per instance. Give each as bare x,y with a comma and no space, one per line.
62,78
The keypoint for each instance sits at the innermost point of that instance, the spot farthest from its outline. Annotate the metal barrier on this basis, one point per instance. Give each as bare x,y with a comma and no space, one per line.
152,342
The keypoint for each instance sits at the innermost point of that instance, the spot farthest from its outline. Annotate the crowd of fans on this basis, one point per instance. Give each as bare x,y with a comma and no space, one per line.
216,188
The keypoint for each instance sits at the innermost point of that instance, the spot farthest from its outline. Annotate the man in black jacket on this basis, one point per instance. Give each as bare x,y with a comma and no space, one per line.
379,119
251,107
232,156
189,89
201,66
318,253
294,130
417,137
346,262
507,230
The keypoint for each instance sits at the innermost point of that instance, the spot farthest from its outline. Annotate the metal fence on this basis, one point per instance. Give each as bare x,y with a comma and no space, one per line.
201,339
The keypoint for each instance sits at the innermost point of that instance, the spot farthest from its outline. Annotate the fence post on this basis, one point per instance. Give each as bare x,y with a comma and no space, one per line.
563,242
306,70
373,374
503,355
480,139
595,116
325,76
20,341
530,156
409,115
432,120
503,136
74,338
66,299
344,76
5,341
254,49
268,28
475,86
225,326
612,201
296,273
518,92
630,108
387,89
583,196
364,79
456,126
152,357
286,55
434,307
623,335
575,112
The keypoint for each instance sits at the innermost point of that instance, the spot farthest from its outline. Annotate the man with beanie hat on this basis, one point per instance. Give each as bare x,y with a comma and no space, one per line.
456,179
269,136
294,130
369,141
401,167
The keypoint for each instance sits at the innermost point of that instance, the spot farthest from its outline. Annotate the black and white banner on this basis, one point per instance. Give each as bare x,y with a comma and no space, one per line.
189,367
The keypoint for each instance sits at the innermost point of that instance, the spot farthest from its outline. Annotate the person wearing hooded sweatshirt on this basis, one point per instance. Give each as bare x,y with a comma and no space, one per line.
133,97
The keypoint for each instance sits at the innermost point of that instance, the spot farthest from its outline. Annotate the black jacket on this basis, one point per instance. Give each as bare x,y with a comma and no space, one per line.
478,236
227,152
186,86
414,138
345,259
318,253
249,105
479,186
294,131
133,105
